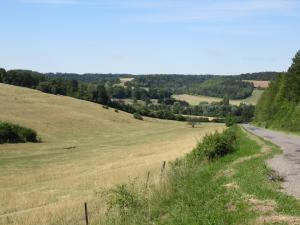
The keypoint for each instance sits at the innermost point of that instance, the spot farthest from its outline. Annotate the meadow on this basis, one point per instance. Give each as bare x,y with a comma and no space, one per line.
84,148
196,99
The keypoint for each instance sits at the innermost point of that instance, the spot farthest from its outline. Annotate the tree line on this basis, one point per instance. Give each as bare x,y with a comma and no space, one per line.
215,86
265,76
107,93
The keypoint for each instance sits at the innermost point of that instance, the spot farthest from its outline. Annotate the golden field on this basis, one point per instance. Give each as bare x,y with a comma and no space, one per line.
84,148
124,80
259,83
196,99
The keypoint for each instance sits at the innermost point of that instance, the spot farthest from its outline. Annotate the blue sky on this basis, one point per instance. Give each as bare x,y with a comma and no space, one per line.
158,36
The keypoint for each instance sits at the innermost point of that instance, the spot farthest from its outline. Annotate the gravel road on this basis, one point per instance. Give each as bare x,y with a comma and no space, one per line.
286,164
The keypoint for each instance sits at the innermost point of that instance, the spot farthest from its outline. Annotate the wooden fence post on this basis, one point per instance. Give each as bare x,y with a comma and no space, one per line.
148,176
86,214
163,166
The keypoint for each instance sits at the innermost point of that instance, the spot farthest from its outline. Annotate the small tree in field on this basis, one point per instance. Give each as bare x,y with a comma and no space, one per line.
192,122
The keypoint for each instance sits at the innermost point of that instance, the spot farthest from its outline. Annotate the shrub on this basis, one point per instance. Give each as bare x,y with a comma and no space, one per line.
105,107
137,116
229,121
11,133
121,198
116,110
214,145
232,120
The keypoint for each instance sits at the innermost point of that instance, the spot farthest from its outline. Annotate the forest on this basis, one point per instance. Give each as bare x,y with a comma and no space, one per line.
210,85
279,105
104,89
265,76
220,87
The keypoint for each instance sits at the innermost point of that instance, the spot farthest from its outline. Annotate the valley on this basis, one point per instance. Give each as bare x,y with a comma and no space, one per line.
84,148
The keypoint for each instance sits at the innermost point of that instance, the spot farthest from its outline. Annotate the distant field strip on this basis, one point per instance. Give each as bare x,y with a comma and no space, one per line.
259,83
196,99
124,80
84,148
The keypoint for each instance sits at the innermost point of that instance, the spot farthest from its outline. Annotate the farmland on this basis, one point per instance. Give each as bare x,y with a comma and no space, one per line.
84,148
196,99
124,80
259,83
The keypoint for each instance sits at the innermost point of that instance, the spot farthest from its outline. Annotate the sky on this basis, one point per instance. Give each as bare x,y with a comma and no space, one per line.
149,37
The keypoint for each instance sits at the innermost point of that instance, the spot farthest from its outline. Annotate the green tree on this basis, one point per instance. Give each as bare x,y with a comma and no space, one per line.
2,74
101,95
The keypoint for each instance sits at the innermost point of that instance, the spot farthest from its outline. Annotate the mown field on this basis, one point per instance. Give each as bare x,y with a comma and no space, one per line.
196,99
259,83
84,148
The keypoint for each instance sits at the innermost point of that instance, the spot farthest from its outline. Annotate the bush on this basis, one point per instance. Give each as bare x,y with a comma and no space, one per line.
229,121
11,133
137,116
116,110
121,198
214,145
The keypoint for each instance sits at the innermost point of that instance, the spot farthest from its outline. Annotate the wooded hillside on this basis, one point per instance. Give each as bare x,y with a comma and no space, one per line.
279,107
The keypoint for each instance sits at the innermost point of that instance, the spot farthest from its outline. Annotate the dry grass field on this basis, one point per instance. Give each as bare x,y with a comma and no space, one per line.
124,80
196,99
84,148
259,83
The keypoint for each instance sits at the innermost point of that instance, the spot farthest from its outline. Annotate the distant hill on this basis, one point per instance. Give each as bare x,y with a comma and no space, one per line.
279,106
89,77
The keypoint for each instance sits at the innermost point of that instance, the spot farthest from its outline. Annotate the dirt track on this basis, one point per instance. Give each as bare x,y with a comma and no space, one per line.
286,164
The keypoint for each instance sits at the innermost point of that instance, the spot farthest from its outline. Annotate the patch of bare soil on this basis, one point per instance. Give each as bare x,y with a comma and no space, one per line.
275,219
231,186
267,209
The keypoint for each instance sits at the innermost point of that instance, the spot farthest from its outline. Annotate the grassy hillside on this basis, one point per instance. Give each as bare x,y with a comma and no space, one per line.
234,189
84,148
279,106
196,99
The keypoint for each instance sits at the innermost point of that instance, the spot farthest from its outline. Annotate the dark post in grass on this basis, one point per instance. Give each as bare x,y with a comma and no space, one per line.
148,176
86,214
163,166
